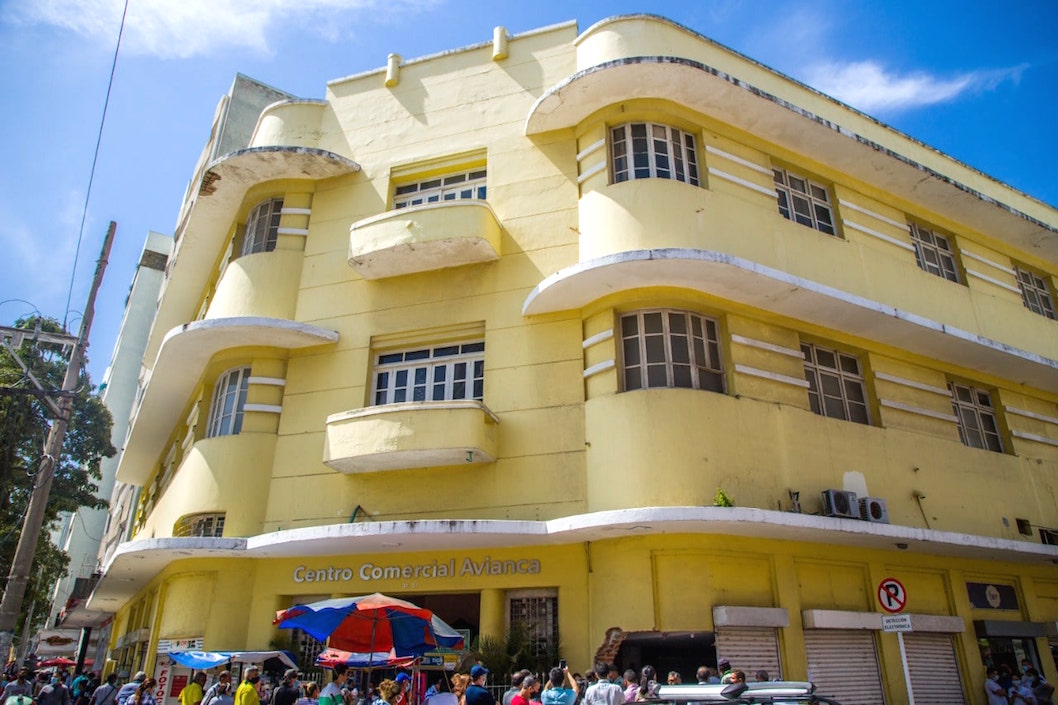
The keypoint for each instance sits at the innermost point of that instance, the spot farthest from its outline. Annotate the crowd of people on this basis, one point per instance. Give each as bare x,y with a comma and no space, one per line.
1004,686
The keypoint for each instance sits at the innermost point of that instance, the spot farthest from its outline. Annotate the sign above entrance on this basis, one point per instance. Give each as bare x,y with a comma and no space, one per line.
896,622
892,596
451,568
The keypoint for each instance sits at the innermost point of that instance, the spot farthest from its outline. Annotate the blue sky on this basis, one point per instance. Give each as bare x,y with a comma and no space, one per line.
973,79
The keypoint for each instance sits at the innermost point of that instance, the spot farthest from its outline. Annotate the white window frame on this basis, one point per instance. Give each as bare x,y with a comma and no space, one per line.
660,152
1035,293
456,186
262,227
207,525
929,243
975,412
412,375
228,401
823,397
792,188
689,361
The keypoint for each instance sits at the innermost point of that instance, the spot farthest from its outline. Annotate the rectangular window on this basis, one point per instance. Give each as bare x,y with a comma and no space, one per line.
976,417
450,187
835,384
671,349
1035,293
534,614
262,227
934,253
440,373
804,201
200,525
646,150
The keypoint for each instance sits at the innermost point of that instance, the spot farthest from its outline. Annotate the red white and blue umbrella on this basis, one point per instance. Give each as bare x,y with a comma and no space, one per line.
329,658
372,624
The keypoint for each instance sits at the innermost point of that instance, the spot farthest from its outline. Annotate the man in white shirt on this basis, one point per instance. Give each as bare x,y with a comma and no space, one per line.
604,691
997,694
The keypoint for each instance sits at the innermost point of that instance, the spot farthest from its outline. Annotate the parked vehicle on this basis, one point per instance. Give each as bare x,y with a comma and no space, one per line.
766,693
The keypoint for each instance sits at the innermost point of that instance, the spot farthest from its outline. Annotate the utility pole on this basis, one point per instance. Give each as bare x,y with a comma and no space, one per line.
15,590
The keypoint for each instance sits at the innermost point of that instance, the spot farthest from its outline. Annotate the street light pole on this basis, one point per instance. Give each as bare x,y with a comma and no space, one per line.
15,590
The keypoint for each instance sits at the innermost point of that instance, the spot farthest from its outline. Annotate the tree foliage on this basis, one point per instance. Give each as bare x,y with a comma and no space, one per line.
24,424
515,650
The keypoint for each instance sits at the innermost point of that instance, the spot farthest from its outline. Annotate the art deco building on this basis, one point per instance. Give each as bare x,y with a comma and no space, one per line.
497,330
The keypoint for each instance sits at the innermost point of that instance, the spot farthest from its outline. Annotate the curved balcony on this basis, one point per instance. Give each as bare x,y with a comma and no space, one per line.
223,474
623,59
424,238
690,455
410,435
215,202
745,281
182,358
294,123
263,284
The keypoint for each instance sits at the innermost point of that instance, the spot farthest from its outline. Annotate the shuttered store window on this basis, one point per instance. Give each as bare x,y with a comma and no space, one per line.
934,669
843,664
749,650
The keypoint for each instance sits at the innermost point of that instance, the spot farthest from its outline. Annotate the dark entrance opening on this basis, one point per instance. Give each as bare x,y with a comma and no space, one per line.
682,652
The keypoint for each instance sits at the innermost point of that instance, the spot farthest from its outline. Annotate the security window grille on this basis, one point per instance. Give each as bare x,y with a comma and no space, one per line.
804,201
835,384
671,349
200,525
536,616
1035,293
977,417
453,187
646,150
262,227
307,647
934,253
229,398
440,373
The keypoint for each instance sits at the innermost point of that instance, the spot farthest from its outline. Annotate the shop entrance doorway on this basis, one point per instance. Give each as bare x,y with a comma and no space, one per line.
682,652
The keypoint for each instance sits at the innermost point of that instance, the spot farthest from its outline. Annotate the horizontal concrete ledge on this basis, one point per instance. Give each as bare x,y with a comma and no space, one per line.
872,621
733,616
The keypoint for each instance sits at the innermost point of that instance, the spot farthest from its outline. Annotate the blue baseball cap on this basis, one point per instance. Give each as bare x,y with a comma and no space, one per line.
401,677
478,671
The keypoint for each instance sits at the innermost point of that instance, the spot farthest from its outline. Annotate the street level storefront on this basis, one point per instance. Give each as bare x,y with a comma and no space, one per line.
674,587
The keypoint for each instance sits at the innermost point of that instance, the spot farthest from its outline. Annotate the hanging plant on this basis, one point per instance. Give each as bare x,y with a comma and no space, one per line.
722,499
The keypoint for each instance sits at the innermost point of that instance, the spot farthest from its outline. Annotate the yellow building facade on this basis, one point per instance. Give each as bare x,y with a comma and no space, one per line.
499,330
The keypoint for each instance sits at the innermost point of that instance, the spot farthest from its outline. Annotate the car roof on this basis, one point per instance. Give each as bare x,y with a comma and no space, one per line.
776,692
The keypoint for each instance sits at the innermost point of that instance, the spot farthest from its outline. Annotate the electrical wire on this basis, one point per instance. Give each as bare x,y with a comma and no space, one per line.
95,159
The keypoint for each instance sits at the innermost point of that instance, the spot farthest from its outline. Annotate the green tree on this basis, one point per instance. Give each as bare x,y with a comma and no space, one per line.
24,423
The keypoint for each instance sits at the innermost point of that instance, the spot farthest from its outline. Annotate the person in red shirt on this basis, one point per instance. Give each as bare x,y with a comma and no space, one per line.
526,693
404,684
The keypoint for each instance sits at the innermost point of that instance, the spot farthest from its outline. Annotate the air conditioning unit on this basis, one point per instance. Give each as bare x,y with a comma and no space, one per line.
839,503
873,509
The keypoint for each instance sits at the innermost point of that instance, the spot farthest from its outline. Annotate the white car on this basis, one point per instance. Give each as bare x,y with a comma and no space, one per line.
766,693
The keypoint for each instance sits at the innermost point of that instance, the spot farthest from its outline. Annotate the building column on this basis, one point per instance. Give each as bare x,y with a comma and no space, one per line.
493,617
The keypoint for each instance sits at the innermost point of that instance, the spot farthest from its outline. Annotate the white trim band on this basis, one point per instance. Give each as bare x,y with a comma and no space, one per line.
601,166
295,211
594,146
1034,437
881,236
990,280
774,376
741,182
739,160
264,408
918,410
271,381
990,263
771,347
868,211
943,391
599,367
1031,414
303,232
596,339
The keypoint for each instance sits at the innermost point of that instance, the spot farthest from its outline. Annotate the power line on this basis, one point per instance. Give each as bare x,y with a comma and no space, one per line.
95,158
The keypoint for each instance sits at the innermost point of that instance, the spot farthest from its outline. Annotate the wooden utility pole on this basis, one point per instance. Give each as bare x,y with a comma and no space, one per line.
15,590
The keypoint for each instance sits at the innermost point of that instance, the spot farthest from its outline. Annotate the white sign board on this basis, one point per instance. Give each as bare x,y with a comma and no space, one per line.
896,622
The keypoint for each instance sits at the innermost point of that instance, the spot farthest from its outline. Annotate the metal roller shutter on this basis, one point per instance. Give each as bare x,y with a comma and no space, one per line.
750,649
843,663
934,670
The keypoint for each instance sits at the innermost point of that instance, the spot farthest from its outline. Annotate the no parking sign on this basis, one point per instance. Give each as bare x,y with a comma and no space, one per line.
891,595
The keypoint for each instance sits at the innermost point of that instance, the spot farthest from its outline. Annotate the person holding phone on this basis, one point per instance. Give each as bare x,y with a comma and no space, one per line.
555,693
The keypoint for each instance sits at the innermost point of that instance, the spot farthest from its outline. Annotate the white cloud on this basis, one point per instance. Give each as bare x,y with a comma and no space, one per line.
869,86
186,28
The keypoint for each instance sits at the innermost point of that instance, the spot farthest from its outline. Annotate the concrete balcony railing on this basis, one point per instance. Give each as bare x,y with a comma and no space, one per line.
291,123
424,238
263,284
410,435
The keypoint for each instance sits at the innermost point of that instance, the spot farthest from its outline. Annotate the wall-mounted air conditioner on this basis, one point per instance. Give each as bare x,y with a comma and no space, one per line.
873,509
839,503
